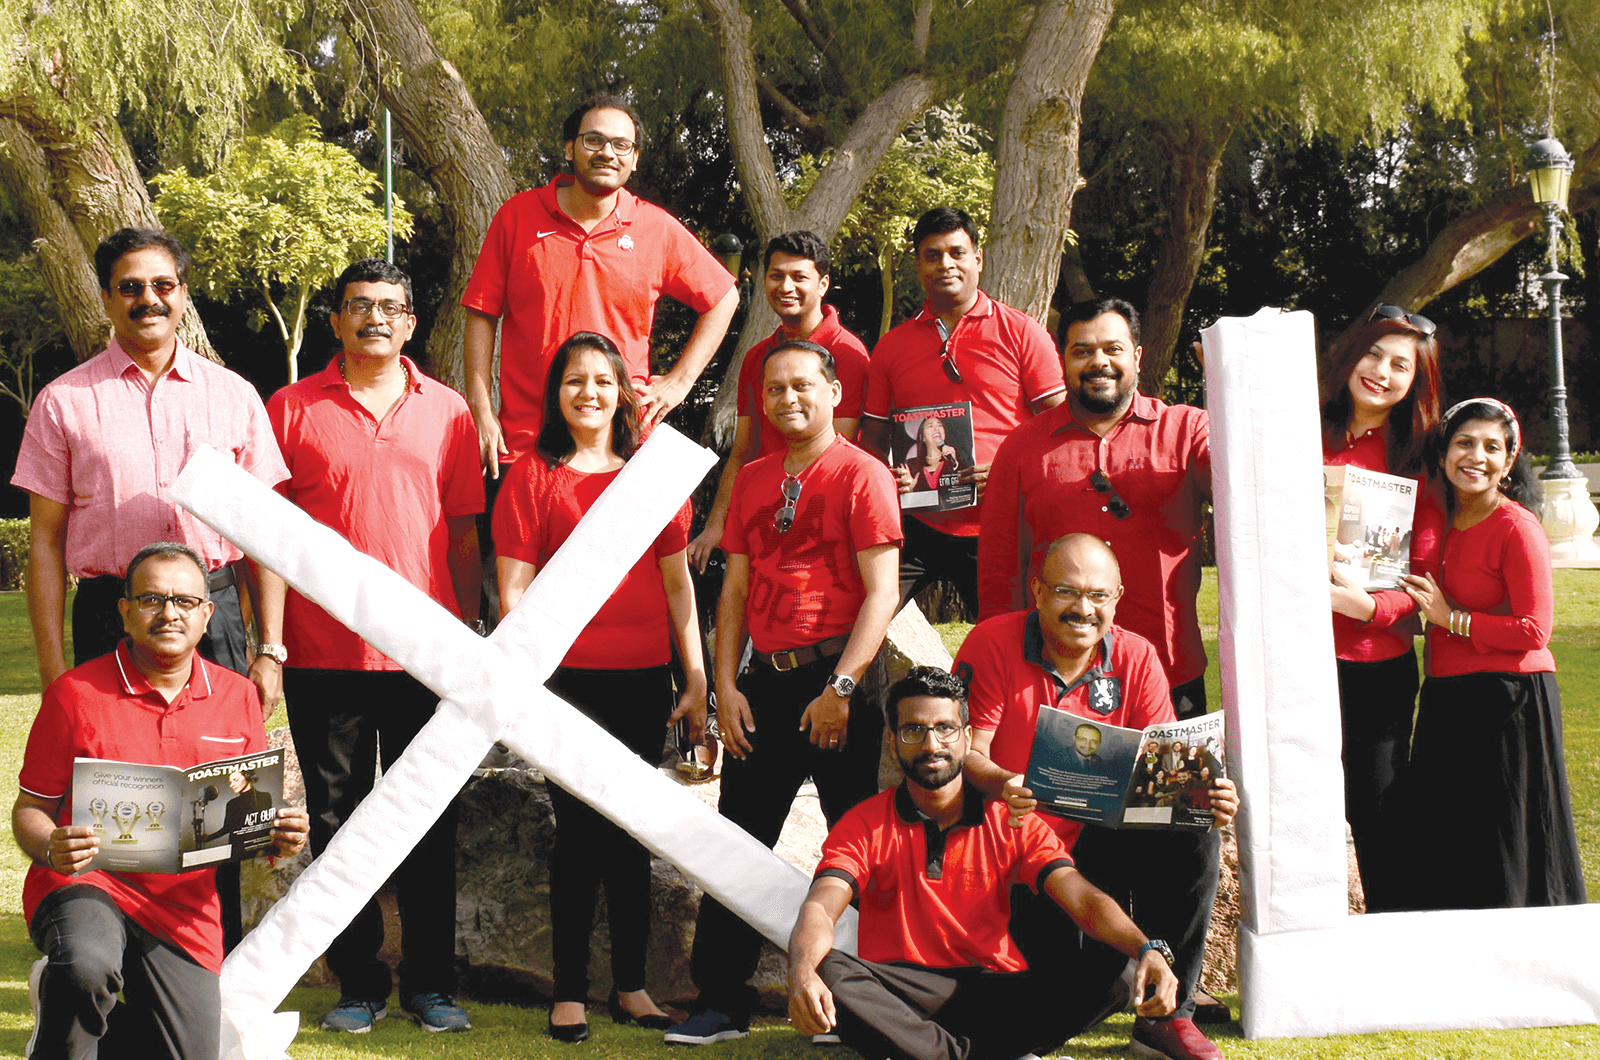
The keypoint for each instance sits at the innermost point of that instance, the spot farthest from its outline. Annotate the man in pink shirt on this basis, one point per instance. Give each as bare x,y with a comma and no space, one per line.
103,445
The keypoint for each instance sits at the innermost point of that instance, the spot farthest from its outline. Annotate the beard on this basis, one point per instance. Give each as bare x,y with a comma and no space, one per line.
1099,405
937,778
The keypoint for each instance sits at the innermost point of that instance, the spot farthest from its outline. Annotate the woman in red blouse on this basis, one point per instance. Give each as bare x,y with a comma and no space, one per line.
1486,789
618,671
1381,397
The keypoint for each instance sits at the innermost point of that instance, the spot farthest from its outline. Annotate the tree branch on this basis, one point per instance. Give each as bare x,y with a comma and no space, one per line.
823,42
787,107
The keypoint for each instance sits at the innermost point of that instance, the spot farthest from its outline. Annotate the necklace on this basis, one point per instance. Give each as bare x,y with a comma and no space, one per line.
403,368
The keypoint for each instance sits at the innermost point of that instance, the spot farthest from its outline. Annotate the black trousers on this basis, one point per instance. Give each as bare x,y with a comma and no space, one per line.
1376,704
171,1006
344,722
757,792
590,850
930,555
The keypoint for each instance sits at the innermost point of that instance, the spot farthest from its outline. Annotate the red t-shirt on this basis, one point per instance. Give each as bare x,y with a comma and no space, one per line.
538,508
387,487
107,709
1007,362
1002,661
1158,458
805,585
1499,570
550,279
941,900
1381,638
850,365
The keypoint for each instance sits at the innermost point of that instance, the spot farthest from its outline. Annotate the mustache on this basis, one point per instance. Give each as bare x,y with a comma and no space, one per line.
142,311
382,331
1102,373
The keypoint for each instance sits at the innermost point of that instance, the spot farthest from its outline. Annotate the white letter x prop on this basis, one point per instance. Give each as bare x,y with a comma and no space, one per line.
491,689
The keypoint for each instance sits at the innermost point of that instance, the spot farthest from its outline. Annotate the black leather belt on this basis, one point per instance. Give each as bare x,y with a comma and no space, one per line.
221,578
793,657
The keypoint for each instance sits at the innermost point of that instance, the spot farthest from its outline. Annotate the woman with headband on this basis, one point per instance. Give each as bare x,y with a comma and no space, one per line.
1486,795
1380,399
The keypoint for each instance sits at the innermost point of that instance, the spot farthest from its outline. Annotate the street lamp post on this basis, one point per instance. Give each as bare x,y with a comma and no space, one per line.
1570,517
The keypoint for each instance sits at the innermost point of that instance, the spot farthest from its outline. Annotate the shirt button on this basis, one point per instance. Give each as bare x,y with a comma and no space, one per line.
1105,509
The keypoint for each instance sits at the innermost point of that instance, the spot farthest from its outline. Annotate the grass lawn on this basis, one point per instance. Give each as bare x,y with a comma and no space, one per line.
510,1031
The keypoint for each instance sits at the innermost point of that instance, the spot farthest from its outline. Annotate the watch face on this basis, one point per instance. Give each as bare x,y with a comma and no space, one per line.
842,685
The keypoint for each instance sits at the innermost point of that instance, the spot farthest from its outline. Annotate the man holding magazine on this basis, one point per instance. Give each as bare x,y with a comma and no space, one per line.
1067,653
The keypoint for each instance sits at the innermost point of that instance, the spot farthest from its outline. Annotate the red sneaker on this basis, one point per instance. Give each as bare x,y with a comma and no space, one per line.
1174,1039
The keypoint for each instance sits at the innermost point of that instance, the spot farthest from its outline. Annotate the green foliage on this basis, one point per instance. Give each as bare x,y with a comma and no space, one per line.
285,211
13,554
29,326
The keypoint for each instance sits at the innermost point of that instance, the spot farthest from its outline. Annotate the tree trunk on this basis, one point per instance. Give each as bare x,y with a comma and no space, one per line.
76,188
443,127
1074,276
1036,164
1191,200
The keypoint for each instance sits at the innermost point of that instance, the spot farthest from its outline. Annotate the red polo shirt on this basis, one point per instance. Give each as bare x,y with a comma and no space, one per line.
805,585
538,508
549,278
1008,679
1499,570
1158,458
387,487
107,709
1381,637
939,899
1007,363
850,364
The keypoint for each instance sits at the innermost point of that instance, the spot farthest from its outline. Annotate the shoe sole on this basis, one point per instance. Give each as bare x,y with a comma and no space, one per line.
708,1039
430,1028
381,1014
1141,1049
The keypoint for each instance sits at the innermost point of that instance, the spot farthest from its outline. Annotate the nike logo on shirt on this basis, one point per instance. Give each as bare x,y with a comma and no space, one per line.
549,233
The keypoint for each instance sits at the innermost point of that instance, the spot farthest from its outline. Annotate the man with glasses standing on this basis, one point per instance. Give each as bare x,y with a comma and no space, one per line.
813,542
963,347
583,253
388,458
104,443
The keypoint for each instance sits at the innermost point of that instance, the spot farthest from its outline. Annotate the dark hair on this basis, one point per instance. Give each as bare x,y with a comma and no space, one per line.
555,441
1519,483
127,240
926,681
369,270
1411,418
828,368
601,101
1079,312
938,221
801,243
163,550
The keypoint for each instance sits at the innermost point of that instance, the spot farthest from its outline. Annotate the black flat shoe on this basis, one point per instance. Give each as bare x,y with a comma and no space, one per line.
649,1021
571,1033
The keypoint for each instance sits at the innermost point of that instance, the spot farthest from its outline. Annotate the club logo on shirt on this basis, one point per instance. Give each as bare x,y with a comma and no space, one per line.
625,243
1105,694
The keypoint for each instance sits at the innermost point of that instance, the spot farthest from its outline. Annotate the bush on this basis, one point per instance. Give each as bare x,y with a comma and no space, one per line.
13,553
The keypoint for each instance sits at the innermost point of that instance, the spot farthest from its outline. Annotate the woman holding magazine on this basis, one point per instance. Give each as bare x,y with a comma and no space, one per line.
1485,794
1380,398
618,671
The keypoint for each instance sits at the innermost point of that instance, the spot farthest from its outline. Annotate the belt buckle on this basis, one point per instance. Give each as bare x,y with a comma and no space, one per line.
792,655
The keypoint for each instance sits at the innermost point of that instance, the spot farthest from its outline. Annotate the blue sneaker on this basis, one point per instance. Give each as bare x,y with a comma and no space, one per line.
436,1012
707,1026
354,1015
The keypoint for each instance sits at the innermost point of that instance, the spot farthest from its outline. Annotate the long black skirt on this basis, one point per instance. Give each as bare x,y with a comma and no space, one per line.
1486,814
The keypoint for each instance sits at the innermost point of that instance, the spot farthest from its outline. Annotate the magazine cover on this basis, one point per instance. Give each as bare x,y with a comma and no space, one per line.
934,444
165,819
1157,777
1369,524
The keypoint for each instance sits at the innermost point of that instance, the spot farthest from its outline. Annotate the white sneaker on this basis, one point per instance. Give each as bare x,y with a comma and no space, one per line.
35,974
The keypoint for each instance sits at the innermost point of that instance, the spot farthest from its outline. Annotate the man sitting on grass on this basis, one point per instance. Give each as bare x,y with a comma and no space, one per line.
155,938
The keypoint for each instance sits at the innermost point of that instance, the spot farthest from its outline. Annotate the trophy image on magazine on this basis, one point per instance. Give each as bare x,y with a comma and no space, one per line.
934,444
229,807
1156,777
1369,524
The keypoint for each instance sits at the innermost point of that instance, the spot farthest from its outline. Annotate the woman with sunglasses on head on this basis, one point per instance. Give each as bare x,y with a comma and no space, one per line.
1380,399
618,672
1489,723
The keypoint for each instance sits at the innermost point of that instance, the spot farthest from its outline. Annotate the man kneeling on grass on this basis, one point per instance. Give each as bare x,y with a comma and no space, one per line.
933,862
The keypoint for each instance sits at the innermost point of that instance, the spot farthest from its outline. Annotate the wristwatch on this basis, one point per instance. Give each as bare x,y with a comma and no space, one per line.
842,686
276,652
1161,947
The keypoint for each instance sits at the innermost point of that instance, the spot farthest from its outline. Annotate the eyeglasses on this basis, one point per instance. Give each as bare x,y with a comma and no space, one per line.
157,602
358,308
621,146
1102,484
135,288
785,517
913,734
948,363
1394,312
1067,592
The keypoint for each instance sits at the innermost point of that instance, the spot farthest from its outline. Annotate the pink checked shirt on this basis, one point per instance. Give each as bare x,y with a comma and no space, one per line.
105,442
